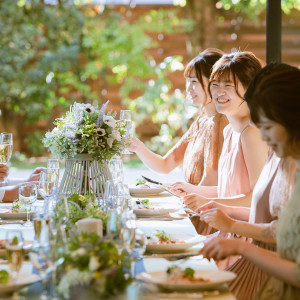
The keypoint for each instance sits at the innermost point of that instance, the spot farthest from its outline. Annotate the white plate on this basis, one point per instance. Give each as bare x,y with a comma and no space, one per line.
161,279
190,241
159,212
178,215
14,216
136,191
23,280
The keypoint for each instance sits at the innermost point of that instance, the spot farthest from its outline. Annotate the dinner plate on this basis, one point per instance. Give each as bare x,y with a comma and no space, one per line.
156,211
23,280
152,191
189,241
162,280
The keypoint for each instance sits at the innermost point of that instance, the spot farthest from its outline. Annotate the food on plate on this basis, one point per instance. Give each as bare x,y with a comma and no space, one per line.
17,207
4,276
161,238
144,204
140,183
176,274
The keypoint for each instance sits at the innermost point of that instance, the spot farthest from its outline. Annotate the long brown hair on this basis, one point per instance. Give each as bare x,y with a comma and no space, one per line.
277,97
202,64
242,65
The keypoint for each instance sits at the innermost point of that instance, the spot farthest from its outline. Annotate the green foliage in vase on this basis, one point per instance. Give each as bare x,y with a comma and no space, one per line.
94,263
80,207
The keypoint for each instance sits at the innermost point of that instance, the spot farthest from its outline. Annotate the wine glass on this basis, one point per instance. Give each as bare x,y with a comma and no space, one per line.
28,195
116,168
6,149
14,252
40,219
125,117
138,250
47,185
53,164
110,195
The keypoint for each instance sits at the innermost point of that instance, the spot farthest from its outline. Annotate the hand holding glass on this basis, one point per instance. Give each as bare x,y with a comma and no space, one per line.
6,148
28,195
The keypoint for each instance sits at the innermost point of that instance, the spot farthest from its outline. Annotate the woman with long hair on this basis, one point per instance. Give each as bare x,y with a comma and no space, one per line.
200,147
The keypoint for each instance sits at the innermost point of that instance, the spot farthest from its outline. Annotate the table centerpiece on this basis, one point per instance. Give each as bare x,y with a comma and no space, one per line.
87,138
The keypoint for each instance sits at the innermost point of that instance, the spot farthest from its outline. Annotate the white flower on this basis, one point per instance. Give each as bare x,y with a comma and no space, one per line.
101,131
110,121
78,252
89,109
94,263
110,141
116,135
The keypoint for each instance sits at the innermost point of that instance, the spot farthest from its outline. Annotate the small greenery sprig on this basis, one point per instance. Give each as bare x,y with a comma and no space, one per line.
96,263
80,207
139,181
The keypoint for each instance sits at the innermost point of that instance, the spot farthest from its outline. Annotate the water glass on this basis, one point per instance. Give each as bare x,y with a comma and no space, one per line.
27,196
110,195
14,252
116,169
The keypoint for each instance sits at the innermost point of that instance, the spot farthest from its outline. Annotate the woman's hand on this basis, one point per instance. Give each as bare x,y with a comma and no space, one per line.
193,201
134,144
221,248
35,175
4,170
218,219
181,188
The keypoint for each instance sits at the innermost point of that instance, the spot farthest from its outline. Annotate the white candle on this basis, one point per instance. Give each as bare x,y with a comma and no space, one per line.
90,225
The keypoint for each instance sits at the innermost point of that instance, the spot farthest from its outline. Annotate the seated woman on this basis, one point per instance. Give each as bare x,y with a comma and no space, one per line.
200,147
272,190
10,193
244,153
275,107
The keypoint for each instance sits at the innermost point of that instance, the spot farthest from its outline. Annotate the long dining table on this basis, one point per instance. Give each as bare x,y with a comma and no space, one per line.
149,263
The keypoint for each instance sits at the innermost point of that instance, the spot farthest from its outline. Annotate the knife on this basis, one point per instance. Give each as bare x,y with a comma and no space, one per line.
161,185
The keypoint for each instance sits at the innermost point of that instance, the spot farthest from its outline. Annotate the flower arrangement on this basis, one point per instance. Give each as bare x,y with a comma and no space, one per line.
94,265
80,207
86,129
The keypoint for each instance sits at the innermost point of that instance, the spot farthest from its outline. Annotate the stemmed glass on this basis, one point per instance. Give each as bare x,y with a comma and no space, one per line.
116,169
47,185
28,195
53,164
110,195
14,252
6,149
125,117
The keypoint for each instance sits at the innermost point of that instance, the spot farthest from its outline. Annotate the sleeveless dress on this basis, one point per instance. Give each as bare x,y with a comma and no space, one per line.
271,192
200,147
233,177
288,247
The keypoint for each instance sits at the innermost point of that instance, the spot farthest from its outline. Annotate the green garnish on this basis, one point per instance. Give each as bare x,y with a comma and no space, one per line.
146,202
16,206
189,272
15,241
170,269
4,275
139,181
162,235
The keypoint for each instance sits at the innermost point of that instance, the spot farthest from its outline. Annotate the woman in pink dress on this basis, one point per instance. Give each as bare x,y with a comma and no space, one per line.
272,190
275,107
244,153
200,147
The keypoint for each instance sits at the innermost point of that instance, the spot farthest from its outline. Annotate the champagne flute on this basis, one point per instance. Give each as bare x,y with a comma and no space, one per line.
53,164
28,195
116,169
6,149
14,252
47,187
125,117
39,220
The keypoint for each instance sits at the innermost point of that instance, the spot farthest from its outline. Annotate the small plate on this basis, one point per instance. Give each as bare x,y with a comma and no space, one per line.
189,241
162,280
152,212
137,192
23,280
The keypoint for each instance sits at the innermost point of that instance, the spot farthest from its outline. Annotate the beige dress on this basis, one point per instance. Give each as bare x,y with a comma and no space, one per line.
273,189
288,247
